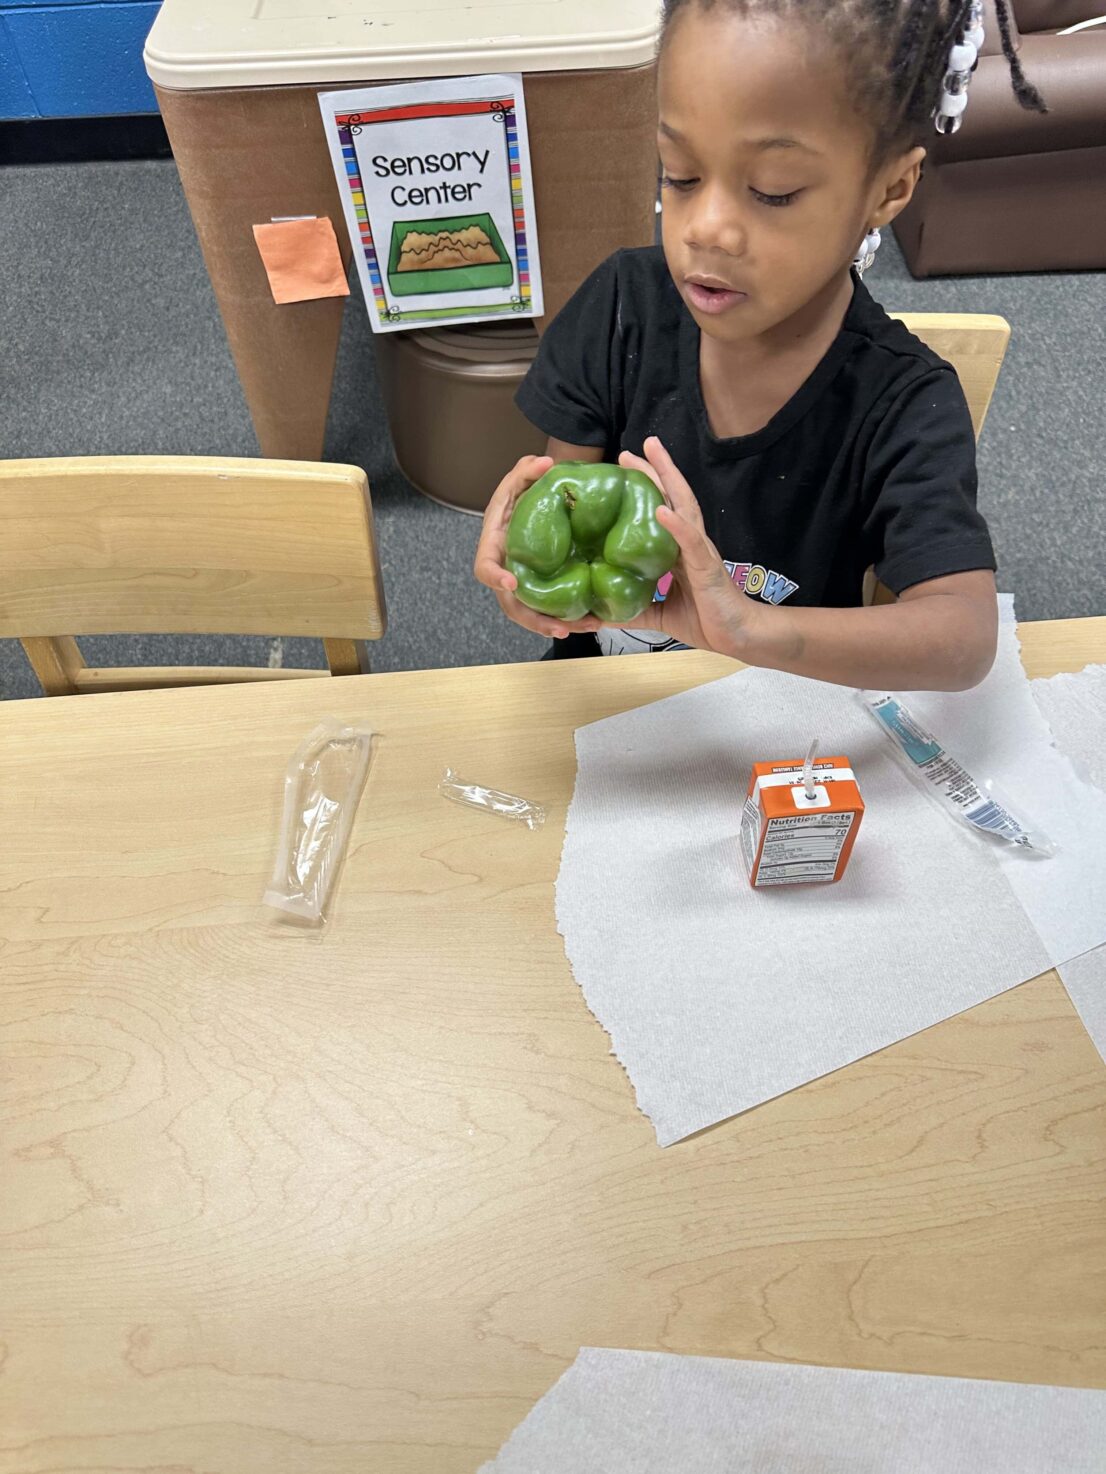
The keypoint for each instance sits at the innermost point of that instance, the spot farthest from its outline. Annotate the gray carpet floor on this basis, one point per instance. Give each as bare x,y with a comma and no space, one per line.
112,343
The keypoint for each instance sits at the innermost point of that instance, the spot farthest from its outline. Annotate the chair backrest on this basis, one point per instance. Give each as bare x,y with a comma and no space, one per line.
184,545
975,345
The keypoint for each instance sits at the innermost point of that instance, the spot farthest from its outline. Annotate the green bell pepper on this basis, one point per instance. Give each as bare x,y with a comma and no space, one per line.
585,539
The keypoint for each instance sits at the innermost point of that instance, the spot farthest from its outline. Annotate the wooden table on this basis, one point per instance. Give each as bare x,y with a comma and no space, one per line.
274,1203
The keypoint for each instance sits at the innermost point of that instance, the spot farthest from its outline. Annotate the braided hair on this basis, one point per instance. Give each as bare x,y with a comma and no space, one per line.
896,53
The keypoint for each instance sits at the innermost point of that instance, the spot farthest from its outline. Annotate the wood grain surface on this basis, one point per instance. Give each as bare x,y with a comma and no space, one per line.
283,1204
96,545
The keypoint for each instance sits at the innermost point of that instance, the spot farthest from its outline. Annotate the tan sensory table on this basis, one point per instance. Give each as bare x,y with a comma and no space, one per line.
280,1204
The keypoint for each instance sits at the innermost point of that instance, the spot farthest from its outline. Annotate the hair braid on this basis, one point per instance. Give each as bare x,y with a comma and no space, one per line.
1024,89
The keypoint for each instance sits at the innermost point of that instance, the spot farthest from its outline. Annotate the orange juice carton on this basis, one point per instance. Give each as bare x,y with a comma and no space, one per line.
800,821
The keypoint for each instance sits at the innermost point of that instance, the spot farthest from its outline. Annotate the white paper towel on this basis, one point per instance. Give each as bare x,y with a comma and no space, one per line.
717,997
998,731
1074,705
1085,979
647,1412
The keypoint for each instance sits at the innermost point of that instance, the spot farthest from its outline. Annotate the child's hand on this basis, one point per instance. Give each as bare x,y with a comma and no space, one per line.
703,607
491,552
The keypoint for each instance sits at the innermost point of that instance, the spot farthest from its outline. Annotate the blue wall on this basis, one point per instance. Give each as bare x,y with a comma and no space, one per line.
74,58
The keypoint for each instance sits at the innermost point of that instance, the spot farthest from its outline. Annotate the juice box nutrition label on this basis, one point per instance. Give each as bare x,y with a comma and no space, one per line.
794,830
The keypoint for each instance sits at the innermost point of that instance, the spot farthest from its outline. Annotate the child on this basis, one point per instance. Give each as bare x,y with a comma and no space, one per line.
798,434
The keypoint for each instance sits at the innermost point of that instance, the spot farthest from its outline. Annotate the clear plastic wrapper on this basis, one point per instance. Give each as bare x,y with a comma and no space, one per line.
322,788
475,796
977,802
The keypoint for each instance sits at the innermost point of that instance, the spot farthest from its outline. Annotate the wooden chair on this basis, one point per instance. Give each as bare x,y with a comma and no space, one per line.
184,545
975,345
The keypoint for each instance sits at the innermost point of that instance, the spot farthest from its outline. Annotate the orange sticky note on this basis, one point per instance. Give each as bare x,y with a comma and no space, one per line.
301,259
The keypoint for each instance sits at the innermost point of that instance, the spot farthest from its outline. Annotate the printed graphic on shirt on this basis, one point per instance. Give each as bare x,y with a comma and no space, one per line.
752,578
615,641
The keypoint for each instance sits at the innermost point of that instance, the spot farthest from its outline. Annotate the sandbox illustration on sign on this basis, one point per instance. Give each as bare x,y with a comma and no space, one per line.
457,253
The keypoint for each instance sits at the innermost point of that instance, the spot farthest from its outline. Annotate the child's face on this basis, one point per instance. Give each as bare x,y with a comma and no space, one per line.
773,169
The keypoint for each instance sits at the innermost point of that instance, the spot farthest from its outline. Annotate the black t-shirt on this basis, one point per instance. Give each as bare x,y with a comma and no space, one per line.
870,463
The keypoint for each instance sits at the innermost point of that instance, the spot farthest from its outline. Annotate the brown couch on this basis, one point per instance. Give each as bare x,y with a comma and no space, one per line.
1015,190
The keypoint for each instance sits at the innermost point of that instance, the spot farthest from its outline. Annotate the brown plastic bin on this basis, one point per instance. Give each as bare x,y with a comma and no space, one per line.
238,83
450,398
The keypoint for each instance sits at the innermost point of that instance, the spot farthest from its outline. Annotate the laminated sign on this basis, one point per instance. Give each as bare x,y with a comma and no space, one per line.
435,185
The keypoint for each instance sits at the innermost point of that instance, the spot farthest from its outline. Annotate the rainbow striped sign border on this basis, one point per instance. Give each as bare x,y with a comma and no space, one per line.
503,108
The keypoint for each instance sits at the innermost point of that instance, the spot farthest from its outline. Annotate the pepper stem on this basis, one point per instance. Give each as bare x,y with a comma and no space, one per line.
570,498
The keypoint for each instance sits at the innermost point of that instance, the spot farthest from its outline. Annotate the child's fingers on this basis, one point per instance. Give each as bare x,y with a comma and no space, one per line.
635,463
514,609
650,618
677,492
699,558
487,565
518,479
543,624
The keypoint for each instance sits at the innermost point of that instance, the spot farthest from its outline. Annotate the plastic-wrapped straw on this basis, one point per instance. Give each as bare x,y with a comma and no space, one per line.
976,801
475,796
322,788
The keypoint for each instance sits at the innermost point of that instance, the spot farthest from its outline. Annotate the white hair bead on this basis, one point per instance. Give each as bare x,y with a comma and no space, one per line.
962,58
